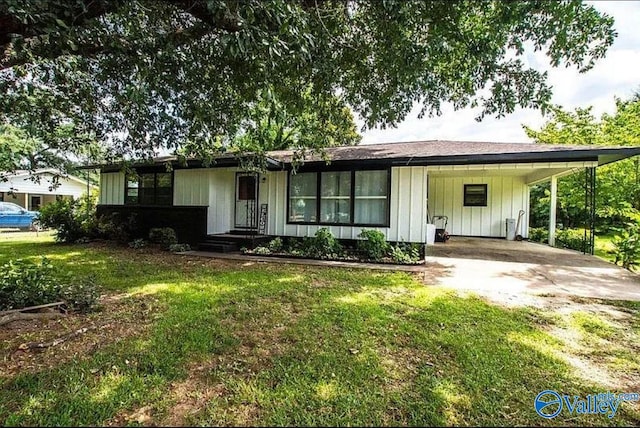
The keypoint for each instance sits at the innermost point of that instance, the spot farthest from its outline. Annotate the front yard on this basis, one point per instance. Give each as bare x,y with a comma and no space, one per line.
181,340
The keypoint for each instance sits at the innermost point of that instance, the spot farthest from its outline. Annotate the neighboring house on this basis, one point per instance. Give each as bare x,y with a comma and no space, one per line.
395,188
21,188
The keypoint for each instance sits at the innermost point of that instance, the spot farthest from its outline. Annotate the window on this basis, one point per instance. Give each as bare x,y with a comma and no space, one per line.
149,188
335,197
371,197
303,194
475,195
340,197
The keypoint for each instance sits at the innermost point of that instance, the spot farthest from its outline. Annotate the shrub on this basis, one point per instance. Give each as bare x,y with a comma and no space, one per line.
80,295
539,234
405,253
627,247
179,248
165,236
276,245
65,217
570,238
72,219
113,228
24,283
261,251
322,246
138,243
374,245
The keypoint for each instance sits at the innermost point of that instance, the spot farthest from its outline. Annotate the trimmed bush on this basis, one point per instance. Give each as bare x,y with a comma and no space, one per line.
276,245
539,234
374,245
322,246
572,239
136,244
261,251
165,236
179,248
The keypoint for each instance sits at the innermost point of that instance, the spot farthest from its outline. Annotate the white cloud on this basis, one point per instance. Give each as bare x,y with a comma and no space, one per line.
614,75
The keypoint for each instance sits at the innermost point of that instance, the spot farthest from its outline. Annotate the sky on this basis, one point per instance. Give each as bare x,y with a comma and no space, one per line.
618,74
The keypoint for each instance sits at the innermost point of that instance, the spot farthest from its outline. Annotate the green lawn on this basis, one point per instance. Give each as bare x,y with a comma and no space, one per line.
194,341
604,246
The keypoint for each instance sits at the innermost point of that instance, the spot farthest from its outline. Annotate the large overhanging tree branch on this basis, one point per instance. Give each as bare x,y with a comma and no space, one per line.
147,76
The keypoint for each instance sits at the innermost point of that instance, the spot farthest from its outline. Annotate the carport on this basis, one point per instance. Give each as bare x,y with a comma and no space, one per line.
493,267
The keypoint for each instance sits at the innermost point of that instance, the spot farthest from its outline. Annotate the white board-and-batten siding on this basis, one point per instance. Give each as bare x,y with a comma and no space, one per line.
506,196
408,206
412,188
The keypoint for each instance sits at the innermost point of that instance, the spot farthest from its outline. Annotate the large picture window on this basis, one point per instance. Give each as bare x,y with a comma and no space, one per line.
358,198
303,197
149,188
335,197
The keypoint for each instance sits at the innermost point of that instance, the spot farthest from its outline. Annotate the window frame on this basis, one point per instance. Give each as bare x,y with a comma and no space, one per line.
155,188
318,172
482,203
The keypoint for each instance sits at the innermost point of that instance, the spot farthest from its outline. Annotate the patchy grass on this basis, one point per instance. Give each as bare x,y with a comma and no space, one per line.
191,341
604,247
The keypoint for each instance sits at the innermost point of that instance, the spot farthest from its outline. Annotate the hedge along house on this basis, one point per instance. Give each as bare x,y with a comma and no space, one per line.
394,187
34,189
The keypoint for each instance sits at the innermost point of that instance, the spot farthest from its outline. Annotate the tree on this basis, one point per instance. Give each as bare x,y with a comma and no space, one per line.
269,126
147,76
617,184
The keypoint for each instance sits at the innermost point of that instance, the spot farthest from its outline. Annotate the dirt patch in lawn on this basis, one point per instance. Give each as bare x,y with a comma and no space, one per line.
118,317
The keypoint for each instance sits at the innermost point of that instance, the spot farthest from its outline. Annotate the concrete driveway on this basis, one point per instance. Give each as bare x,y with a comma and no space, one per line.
515,272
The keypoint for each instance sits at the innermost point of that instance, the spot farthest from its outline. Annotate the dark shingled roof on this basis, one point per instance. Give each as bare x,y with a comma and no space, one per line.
434,152
437,152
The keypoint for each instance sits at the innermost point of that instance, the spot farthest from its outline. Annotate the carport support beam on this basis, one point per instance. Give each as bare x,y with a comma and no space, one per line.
552,210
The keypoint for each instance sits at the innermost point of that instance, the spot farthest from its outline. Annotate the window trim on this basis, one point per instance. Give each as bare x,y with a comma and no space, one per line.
485,201
318,173
155,188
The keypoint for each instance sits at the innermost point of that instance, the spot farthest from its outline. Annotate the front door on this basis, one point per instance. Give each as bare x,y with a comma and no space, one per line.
246,200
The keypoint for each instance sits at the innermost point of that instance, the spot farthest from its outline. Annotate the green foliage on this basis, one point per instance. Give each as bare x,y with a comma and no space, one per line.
113,227
269,126
618,184
137,244
72,219
572,239
165,236
24,283
405,254
164,72
539,234
626,247
261,251
373,244
323,245
179,248
80,295
276,245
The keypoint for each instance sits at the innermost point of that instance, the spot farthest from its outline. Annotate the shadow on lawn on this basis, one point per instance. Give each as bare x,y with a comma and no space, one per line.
302,346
